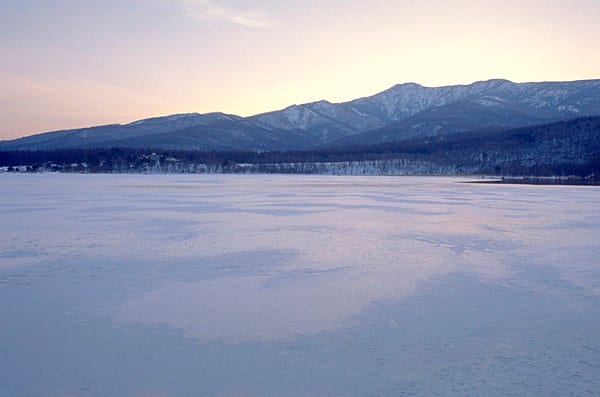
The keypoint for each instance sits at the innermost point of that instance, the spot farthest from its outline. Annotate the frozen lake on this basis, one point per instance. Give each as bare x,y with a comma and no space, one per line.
133,285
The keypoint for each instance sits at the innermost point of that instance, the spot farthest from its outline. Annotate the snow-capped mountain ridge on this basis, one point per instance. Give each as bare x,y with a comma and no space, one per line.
400,112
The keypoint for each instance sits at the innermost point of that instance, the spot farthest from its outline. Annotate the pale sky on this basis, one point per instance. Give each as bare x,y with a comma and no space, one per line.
76,63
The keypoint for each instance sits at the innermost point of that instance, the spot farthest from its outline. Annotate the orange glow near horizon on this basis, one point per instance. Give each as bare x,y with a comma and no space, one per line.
127,60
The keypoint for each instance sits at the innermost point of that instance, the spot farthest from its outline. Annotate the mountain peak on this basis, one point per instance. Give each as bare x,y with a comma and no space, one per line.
171,117
321,102
403,110
493,81
404,86
408,84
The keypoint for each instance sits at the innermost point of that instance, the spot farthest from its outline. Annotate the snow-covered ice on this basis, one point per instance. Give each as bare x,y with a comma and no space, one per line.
151,285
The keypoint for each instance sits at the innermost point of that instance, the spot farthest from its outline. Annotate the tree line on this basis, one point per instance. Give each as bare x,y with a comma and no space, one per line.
565,148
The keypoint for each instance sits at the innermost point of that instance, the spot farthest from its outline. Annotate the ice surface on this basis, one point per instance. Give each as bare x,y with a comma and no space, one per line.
131,285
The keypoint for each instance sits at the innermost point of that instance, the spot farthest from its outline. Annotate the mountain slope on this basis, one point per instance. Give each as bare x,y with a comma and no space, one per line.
489,104
320,121
96,136
234,134
404,111
464,115
569,147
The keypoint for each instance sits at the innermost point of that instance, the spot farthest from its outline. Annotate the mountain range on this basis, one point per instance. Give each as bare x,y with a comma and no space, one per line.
402,112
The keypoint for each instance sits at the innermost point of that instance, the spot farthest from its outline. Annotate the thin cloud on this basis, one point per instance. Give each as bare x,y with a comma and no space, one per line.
22,81
8,76
207,9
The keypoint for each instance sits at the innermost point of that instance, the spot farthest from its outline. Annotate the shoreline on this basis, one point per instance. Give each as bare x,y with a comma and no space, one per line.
547,180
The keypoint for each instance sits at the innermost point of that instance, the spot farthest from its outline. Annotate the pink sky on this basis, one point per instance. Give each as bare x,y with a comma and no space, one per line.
66,64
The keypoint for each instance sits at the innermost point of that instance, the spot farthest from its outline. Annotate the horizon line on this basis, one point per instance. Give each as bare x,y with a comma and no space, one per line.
300,104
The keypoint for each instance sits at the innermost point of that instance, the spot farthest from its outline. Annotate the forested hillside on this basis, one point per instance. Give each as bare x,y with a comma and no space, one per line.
565,148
